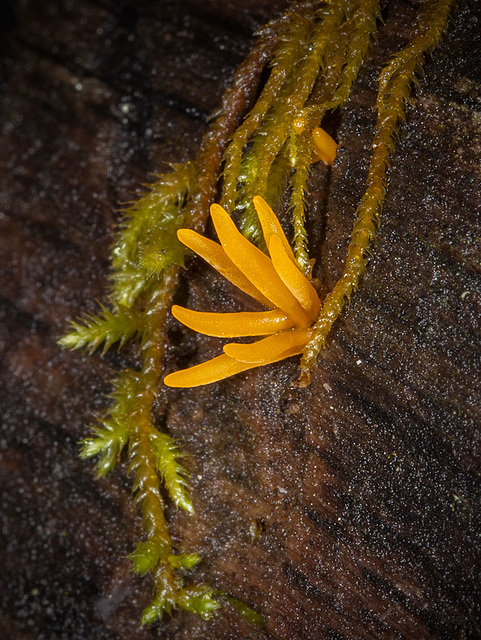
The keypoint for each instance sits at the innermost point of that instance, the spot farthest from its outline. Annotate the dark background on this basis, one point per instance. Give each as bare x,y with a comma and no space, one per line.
349,509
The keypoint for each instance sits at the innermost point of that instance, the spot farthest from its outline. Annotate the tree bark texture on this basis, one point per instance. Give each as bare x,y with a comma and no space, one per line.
346,510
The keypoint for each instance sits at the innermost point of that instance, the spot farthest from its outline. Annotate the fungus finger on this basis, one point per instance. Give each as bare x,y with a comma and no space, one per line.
271,349
295,280
257,267
207,372
270,225
325,146
233,325
214,254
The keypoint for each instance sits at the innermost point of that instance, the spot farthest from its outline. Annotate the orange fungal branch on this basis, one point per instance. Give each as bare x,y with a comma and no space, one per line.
275,280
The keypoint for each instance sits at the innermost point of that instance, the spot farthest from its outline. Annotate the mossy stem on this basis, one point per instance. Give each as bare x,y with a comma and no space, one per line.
394,92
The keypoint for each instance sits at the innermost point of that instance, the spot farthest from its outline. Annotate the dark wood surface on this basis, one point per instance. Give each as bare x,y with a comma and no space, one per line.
350,509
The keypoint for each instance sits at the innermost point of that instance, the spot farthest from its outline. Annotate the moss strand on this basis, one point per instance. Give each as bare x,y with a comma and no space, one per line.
291,100
236,101
392,100
293,38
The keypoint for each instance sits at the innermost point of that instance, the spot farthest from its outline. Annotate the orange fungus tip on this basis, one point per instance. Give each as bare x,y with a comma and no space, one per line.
275,280
299,124
325,147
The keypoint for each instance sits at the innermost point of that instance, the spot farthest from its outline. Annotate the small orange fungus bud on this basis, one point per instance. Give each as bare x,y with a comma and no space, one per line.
325,146
299,124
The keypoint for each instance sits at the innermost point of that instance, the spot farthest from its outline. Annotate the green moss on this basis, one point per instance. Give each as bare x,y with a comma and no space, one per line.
306,73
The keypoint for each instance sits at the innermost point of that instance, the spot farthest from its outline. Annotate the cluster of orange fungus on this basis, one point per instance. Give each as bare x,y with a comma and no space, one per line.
275,280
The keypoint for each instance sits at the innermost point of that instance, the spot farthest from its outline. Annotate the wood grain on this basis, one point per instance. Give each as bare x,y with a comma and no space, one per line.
347,510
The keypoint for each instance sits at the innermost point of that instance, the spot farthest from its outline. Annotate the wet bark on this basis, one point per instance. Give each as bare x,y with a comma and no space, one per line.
349,509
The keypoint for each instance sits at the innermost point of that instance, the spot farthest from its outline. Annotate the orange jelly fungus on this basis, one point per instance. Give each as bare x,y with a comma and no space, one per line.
325,147
275,280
